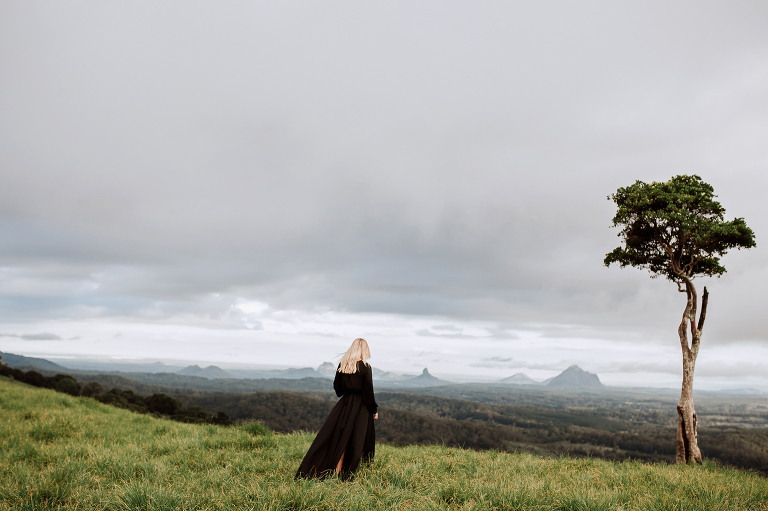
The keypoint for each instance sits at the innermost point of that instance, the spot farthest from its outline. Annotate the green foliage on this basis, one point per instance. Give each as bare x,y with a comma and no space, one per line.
92,388
123,399
112,459
68,386
675,229
746,447
168,383
37,379
163,404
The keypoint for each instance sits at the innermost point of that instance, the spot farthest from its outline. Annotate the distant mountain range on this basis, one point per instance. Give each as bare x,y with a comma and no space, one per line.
391,376
328,370
423,380
572,378
289,374
22,361
208,372
426,380
520,379
127,366
247,380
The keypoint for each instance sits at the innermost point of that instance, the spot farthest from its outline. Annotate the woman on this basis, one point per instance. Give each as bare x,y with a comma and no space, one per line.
348,434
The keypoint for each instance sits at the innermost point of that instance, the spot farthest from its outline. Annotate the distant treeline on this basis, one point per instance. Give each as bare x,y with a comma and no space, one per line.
745,448
178,384
181,384
158,404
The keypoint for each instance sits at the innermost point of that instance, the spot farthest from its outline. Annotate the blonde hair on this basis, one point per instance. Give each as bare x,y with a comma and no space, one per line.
358,351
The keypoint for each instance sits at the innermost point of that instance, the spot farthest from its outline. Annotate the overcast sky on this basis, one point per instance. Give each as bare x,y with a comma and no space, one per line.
262,182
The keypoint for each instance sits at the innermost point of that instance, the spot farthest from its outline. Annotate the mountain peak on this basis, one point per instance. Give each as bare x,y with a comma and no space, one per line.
575,377
520,379
327,369
423,380
210,372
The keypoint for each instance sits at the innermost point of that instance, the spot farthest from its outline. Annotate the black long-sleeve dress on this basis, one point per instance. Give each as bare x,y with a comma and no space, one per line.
348,429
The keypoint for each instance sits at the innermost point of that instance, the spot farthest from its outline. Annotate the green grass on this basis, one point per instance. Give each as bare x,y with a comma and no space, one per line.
61,452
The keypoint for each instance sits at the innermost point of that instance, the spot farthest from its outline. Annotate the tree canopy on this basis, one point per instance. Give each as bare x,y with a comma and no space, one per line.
675,229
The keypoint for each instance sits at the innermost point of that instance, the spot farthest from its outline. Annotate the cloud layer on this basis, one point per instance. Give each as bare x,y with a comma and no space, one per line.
423,160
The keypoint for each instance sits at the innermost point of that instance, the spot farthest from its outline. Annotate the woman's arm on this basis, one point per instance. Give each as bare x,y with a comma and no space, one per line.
338,383
368,398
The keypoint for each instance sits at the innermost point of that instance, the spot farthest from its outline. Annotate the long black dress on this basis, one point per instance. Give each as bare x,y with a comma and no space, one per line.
348,428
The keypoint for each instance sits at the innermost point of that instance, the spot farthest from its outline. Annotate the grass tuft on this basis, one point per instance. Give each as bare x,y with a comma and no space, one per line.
255,428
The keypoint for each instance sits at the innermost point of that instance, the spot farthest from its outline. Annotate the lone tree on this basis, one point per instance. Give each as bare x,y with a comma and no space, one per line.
676,229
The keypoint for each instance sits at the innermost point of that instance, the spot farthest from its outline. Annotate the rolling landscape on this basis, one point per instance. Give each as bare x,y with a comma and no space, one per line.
571,415
65,452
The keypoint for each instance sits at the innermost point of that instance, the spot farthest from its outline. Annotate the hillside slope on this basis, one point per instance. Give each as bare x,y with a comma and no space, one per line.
57,451
39,363
406,418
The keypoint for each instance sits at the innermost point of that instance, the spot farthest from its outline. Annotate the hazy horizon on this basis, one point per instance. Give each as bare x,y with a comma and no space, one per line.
124,364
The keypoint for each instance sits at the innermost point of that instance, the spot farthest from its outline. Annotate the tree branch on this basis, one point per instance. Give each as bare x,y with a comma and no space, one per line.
703,314
682,330
666,246
684,335
693,299
691,265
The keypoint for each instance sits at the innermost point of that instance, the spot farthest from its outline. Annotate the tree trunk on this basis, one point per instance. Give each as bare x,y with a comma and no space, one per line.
687,428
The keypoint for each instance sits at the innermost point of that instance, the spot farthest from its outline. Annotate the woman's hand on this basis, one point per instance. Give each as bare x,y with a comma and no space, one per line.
375,415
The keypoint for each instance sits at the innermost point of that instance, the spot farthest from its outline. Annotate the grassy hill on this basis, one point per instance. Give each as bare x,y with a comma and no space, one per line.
406,418
62,452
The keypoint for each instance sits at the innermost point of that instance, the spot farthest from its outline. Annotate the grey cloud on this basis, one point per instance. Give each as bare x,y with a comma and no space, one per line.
35,337
452,334
497,359
504,335
509,363
315,333
310,158
733,371
703,369
662,366
447,328
491,364
40,337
